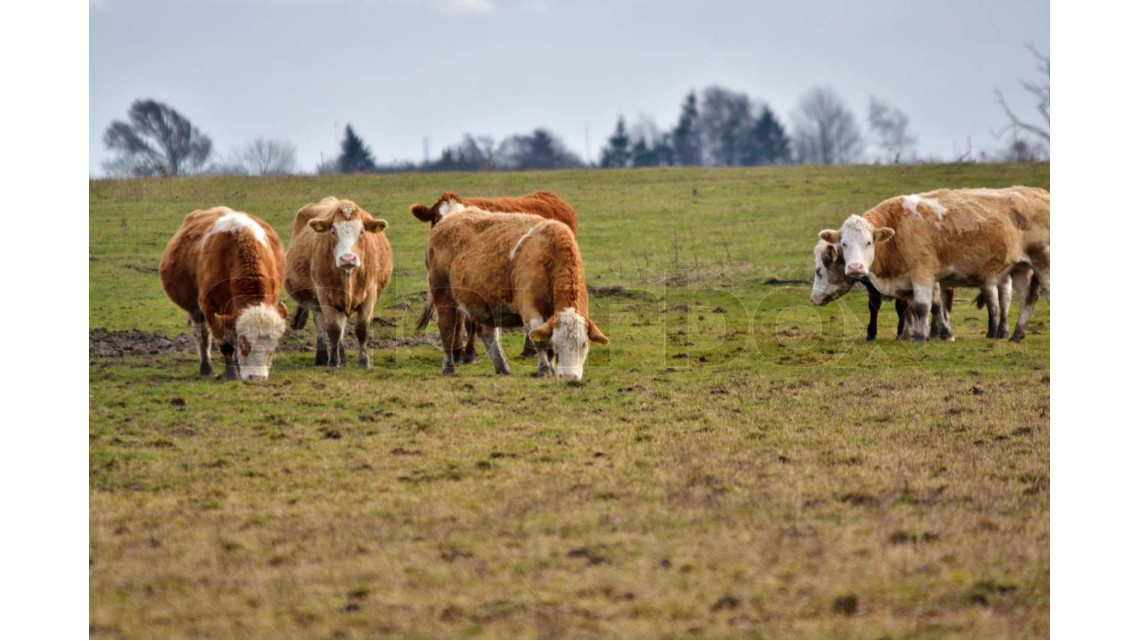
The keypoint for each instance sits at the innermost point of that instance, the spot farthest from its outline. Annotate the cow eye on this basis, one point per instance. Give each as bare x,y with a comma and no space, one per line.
868,243
844,245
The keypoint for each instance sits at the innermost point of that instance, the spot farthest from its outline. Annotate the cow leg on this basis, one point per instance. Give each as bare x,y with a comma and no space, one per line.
989,297
363,323
1039,258
322,342
1004,295
874,303
230,354
944,302
469,349
490,336
1028,288
334,329
447,318
920,311
203,340
901,308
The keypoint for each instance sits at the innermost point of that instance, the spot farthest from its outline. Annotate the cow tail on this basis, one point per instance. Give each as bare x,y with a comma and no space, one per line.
300,317
980,300
425,315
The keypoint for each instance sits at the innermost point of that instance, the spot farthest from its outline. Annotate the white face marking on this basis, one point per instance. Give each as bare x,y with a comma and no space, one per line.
236,222
258,329
347,233
449,207
856,242
571,344
830,282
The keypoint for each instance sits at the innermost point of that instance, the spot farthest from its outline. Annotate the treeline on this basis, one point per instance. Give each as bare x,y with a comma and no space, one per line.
716,128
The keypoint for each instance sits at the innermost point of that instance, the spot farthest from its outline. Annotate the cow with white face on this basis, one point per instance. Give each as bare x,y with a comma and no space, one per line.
565,340
226,269
339,261
956,238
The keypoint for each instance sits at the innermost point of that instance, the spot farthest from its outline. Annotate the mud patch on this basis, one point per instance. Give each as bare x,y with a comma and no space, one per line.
136,342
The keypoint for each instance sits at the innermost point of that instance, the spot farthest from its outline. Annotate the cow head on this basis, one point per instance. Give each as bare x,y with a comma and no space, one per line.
347,223
830,280
449,202
256,331
568,335
856,240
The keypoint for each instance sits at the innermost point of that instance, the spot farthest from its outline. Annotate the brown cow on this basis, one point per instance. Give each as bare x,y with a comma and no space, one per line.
339,262
510,270
226,268
539,203
959,238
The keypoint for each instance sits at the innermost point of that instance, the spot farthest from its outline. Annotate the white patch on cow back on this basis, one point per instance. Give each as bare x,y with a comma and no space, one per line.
449,207
235,222
911,203
571,344
528,234
261,326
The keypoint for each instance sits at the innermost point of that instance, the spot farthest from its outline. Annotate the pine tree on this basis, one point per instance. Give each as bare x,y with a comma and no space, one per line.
616,152
768,142
355,156
686,139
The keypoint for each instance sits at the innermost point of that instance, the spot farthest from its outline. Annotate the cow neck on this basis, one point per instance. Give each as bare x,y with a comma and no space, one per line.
888,261
568,278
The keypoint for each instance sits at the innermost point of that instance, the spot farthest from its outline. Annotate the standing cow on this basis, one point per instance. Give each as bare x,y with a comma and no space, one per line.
511,270
339,262
226,268
539,203
959,238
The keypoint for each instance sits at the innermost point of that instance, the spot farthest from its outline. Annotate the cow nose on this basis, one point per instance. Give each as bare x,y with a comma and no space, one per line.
856,268
254,378
348,260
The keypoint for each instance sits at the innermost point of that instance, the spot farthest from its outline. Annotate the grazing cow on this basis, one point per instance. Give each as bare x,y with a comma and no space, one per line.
959,238
226,268
539,203
339,262
510,270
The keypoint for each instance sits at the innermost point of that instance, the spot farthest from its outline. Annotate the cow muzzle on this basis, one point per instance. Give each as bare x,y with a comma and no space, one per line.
856,269
348,262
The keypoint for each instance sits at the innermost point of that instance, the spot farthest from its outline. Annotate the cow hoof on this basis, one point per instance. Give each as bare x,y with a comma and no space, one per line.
322,357
468,359
205,370
1004,334
949,339
449,371
1017,337
364,364
229,375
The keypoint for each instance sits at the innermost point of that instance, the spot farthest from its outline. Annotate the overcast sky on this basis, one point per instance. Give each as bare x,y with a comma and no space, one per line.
401,71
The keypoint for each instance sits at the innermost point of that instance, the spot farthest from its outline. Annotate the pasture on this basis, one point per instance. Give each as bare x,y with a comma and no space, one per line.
736,463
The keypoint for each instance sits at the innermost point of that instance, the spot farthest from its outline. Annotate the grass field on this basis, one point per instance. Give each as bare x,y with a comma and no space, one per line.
736,463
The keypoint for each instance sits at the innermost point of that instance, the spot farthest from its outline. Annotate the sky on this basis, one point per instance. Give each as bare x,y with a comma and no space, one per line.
402,71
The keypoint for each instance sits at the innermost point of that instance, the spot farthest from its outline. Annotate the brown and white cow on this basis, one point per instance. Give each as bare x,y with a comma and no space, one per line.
339,261
226,269
959,238
511,270
539,203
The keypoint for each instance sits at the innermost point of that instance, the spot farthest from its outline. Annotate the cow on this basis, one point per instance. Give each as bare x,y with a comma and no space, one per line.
539,203
226,269
339,261
511,270
958,238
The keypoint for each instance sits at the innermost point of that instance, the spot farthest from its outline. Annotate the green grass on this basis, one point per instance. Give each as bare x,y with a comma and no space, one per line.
736,463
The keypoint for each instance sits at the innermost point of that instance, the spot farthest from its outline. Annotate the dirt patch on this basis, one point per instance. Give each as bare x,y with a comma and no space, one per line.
136,342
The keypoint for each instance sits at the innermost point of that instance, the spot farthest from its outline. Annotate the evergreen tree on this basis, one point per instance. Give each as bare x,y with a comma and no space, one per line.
686,147
641,155
768,142
355,156
616,152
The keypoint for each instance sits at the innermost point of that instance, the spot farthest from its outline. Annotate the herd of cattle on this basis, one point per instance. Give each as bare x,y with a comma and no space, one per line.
496,263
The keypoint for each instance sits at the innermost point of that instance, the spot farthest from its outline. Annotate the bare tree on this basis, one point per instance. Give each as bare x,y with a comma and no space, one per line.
825,129
1040,92
724,121
157,141
889,125
269,156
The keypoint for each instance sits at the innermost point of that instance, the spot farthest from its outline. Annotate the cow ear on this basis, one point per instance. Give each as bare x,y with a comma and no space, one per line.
282,311
830,235
595,334
883,234
376,225
319,226
830,254
543,332
423,213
